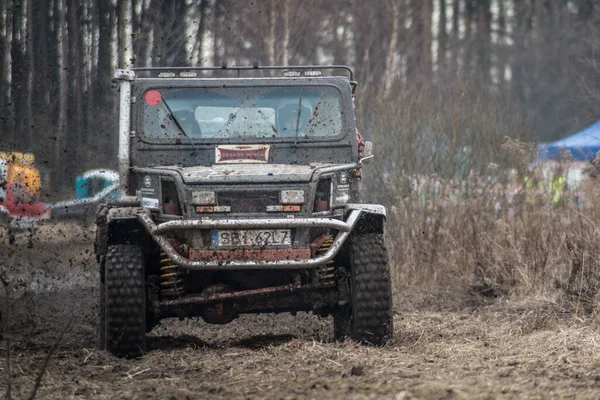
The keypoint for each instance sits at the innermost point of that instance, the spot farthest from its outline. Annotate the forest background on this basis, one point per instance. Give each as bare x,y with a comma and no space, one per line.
533,59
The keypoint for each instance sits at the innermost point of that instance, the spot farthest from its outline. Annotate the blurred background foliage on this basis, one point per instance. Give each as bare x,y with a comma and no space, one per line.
426,69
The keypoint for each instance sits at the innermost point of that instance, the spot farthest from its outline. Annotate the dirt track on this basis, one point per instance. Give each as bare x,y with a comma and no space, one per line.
509,349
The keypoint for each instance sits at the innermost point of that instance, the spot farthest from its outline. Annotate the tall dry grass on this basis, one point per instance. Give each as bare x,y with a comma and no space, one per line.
451,164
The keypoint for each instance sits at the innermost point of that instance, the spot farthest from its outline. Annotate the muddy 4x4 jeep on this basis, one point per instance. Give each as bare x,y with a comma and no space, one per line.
240,195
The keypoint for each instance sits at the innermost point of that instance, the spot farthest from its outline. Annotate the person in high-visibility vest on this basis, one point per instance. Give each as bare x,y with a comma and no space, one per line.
557,187
534,187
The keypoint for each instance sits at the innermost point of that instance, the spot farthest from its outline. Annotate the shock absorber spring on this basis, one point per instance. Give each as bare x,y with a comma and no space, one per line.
171,277
326,272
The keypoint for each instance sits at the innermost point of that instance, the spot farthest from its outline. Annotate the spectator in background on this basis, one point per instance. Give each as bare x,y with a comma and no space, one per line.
534,187
558,186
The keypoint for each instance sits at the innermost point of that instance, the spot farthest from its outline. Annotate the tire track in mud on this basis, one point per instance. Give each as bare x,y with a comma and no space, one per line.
47,266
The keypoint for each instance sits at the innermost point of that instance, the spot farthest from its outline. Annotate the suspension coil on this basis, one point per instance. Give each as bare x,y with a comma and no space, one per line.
171,277
326,272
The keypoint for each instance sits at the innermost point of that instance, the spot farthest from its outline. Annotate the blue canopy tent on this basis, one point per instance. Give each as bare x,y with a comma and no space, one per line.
583,145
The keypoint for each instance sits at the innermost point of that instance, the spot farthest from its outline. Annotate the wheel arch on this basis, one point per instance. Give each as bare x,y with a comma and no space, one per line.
124,229
372,218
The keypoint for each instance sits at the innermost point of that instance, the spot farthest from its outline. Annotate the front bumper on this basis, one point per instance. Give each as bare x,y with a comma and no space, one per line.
158,232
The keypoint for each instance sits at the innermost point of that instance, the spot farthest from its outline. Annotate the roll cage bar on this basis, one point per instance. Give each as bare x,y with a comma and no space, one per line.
293,70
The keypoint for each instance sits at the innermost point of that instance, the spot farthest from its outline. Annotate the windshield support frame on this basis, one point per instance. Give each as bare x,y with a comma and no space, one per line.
338,83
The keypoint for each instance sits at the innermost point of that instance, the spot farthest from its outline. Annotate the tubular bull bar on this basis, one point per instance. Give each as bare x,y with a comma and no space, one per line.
344,228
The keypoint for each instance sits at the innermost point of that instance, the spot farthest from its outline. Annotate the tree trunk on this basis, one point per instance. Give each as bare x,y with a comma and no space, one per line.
74,77
91,90
157,51
103,114
178,39
28,54
40,69
285,55
484,38
137,11
123,36
219,42
20,75
469,39
104,70
426,15
271,36
442,36
59,158
501,52
52,66
419,57
391,65
520,34
455,56
3,67
142,32
202,31
169,36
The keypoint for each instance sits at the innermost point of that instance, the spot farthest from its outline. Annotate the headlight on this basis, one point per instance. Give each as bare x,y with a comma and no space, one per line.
169,197
292,197
322,195
340,198
203,198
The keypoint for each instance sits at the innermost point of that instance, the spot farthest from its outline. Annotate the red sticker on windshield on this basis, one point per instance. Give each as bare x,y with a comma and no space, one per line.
153,97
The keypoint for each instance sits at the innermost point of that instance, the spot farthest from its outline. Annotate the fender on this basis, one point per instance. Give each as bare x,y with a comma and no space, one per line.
117,225
372,219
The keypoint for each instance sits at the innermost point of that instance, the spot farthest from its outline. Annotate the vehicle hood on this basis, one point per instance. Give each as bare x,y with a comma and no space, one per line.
247,173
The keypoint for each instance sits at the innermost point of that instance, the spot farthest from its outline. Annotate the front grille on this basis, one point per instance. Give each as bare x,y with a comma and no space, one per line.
247,201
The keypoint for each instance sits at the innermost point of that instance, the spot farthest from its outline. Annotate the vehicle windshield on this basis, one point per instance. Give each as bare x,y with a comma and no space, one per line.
242,113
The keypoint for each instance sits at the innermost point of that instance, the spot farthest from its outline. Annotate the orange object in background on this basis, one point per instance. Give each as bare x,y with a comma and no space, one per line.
22,173
20,190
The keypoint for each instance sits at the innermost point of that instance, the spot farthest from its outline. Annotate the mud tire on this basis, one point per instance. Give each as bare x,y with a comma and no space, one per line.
369,319
123,302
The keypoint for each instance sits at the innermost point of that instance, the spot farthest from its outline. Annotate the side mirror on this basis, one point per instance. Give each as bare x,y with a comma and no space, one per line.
367,153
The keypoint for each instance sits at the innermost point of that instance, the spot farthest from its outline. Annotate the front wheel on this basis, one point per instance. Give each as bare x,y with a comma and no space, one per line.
368,319
123,301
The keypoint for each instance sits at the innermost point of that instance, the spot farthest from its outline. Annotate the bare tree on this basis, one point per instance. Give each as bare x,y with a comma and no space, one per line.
19,78
391,66
442,35
57,56
285,51
3,64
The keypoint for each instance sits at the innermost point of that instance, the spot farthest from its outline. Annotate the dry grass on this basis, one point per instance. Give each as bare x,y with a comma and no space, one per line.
451,166
497,352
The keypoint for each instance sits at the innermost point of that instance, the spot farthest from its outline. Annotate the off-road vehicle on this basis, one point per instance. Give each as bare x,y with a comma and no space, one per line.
239,194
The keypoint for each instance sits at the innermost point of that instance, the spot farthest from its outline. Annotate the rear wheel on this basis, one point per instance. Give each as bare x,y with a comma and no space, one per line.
368,319
123,302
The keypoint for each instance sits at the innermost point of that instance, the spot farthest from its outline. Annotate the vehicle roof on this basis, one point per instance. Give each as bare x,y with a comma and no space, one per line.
247,81
246,74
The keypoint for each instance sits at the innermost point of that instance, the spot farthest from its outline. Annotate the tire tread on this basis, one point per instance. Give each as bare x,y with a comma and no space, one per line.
372,317
124,313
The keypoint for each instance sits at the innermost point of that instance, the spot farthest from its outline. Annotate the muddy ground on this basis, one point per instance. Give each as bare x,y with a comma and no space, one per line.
448,346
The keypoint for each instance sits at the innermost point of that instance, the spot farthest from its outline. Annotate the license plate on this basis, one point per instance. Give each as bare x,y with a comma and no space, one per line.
252,238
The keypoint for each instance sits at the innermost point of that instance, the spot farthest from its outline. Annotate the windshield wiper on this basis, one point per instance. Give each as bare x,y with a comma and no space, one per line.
172,116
